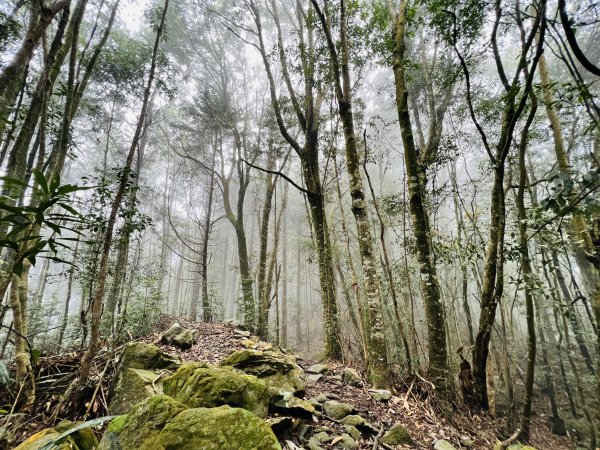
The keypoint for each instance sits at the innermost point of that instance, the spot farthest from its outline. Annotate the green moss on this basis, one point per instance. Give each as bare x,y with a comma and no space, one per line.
117,424
198,385
139,355
131,387
216,429
145,422
397,435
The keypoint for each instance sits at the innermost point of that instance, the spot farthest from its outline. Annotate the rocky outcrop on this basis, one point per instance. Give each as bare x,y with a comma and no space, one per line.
278,371
199,385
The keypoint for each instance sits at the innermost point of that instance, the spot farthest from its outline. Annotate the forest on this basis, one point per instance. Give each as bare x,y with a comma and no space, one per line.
406,187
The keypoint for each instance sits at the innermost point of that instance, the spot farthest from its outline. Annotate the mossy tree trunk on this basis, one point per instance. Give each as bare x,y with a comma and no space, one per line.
377,366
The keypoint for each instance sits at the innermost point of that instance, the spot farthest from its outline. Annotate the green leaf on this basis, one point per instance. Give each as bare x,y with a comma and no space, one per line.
40,179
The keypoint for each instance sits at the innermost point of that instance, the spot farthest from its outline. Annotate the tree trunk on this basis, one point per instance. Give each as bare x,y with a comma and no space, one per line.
434,309
97,301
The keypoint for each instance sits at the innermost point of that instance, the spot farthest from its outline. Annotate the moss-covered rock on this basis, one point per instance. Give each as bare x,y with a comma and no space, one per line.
161,423
141,427
280,372
397,435
337,410
217,429
293,406
351,377
140,355
85,439
199,385
178,336
131,386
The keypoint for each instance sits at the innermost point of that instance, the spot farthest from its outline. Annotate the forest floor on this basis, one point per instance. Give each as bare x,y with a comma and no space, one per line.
411,405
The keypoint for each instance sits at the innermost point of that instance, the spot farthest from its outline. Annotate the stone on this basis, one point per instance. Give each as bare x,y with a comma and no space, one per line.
280,425
141,427
85,439
380,395
351,377
314,402
242,333
318,368
359,422
314,377
293,406
178,336
199,385
162,423
397,435
321,437
139,355
443,444
278,371
337,410
321,398
353,431
131,386
344,441
248,343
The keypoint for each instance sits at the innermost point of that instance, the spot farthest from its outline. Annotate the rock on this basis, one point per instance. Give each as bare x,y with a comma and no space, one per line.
131,386
264,346
278,371
293,406
139,375
314,377
139,355
187,429
320,438
351,377
397,435
280,425
353,431
83,439
380,395
344,441
248,343
359,422
199,385
337,410
321,398
141,427
178,336
318,368
241,333
443,444
314,402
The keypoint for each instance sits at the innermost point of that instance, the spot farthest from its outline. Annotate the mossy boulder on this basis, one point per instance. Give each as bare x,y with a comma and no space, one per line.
141,427
178,336
337,410
131,386
140,355
397,435
216,429
161,423
199,385
83,439
278,371
351,377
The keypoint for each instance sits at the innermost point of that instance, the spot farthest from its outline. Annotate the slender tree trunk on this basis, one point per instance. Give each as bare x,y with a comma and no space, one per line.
103,270
65,318
434,309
